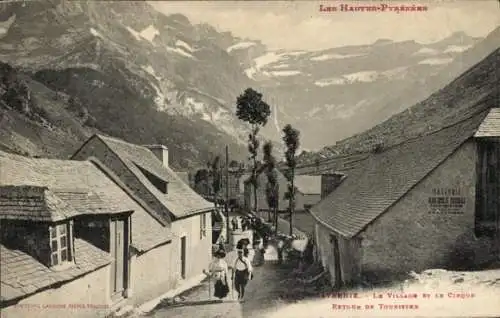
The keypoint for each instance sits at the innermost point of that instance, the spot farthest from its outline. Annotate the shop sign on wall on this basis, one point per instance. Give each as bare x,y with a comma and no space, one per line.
447,201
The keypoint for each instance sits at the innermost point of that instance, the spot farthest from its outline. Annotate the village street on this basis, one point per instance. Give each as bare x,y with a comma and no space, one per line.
261,297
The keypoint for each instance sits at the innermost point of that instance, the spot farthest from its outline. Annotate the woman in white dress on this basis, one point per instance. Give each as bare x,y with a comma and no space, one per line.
218,269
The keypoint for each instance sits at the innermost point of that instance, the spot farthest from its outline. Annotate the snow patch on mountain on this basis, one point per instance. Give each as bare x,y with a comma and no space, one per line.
184,45
364,76
457,48
250,72
313,111
344,111
95,33
159,99
239,46
149,69
268,58
280,66
295,53
196,107
261,61
136,34
5,25
436,61
180,51
395,73
284,73
426,51
325,57
148,33
330,81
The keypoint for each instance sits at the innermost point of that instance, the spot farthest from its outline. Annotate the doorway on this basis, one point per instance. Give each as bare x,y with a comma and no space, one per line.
118,248
183,257
336,261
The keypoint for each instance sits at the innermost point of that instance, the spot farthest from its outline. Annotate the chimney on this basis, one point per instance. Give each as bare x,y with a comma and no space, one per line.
161,152
329,182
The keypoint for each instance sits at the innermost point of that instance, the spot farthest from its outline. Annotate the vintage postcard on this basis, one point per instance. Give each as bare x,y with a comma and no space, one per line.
281,159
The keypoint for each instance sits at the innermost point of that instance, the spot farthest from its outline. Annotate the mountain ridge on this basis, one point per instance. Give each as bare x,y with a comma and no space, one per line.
147,77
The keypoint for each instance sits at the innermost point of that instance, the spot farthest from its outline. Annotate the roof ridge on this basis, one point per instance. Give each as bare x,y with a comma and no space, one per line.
10,156
416,138
115,139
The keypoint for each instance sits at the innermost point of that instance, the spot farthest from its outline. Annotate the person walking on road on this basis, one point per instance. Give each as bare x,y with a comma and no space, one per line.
242,274
281,246
219,271
234,223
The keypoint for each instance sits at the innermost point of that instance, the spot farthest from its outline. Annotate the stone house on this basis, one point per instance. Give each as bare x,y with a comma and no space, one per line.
67,228
308,192
430,202
170,203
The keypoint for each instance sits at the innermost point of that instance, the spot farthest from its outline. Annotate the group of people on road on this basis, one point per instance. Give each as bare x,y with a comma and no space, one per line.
241,273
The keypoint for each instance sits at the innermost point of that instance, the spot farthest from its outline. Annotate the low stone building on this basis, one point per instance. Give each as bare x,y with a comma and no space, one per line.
430,202
171,203
66,233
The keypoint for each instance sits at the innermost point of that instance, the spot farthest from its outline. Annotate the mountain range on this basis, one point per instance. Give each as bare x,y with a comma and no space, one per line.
127,70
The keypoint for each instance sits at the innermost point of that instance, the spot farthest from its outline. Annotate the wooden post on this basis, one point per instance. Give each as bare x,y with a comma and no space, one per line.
227,194
292,202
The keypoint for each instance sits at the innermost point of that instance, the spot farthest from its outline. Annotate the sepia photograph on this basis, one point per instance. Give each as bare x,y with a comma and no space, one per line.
241,159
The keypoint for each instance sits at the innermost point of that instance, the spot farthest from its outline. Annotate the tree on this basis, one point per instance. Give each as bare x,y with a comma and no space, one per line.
234,164
272,187
292,143
252,109
201,182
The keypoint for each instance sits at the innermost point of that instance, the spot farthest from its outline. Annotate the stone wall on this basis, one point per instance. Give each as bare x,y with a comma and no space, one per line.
410,238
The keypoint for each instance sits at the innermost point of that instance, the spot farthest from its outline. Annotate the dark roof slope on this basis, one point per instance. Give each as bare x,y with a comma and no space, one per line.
382,180
33,203
86,188
180,200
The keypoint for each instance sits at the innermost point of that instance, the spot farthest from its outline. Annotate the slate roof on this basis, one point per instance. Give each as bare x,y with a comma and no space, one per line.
181,200
184,176
33,203
308,184
23,275
80,182
384,178
490,127
86,188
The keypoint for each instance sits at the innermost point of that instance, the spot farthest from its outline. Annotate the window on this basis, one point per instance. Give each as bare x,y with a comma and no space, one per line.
487,189
157,182
203,226
59,244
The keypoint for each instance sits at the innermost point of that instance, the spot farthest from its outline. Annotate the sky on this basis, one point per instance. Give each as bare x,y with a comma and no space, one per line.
299,25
